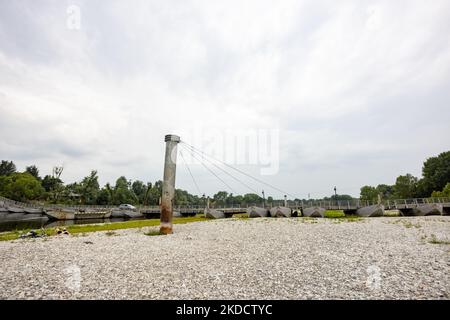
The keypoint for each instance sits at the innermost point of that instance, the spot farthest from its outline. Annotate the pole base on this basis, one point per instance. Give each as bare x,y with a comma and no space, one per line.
165,230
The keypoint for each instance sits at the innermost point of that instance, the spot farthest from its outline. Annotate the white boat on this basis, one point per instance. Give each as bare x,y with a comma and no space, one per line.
257,212
316,212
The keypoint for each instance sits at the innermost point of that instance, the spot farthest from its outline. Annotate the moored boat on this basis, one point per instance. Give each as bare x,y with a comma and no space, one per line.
33,211
122,213
177,214
315,212
214,214
376,210
16,210
281,212
93,214
428,209
12,216
257,212
60,214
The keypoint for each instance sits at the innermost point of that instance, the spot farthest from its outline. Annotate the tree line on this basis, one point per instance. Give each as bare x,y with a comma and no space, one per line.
435,182
30,186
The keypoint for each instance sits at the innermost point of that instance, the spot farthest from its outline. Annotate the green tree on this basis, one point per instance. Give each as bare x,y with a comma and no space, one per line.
72,193
181,197
405,186
21,187
147,195
158,187
123,193
104,196
385,191
238,199
153,195
53,186
368,193
339,197
252,198
7,168
89,188
220,197
230,200
436,173
139,189
5,182
445,193
34,171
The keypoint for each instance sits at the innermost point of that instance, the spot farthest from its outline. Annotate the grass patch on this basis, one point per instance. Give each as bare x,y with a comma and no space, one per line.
406,223
409,224
391,213
333,214
241,216
435,240
340,216
152,233
12,235
85,228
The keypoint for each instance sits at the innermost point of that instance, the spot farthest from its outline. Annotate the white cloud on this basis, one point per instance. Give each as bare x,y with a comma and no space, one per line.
338,80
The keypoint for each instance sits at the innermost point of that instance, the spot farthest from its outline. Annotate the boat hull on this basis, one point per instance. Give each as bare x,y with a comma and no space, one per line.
315,212
376,210
125,214
16,210
281,212
33,211
428,210
214,214
257,212
60,214
93,215
11,217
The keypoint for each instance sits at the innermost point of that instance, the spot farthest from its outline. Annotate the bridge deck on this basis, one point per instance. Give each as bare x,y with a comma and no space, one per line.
232,209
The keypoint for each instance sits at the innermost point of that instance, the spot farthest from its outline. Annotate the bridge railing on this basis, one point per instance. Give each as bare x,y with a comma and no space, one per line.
401,203
328,204
9,202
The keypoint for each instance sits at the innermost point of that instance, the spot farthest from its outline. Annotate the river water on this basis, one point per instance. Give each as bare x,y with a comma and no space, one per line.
45,223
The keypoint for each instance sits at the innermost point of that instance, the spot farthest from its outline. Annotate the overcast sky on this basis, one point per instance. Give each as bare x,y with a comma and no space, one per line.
359,90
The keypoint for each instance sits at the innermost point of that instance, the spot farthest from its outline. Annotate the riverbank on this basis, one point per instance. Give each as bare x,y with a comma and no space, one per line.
95,227
92,226
296,258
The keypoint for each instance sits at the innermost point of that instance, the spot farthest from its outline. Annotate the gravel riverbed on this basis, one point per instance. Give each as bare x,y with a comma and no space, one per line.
267,258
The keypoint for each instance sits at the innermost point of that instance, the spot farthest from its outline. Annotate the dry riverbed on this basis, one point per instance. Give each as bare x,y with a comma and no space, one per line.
297,258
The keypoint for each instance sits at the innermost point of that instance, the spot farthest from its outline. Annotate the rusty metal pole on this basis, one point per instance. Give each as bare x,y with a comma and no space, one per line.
168,187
